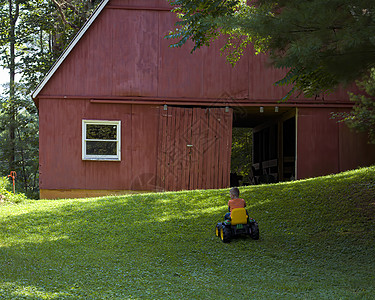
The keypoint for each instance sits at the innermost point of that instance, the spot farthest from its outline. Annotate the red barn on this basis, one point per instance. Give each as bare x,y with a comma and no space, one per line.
121,111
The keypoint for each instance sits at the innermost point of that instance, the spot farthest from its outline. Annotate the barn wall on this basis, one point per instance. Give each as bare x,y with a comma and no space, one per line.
124,53
174,149
355,151
123,56
61,164
325,146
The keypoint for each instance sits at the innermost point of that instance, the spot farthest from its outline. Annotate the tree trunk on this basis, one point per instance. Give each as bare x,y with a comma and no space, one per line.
13,16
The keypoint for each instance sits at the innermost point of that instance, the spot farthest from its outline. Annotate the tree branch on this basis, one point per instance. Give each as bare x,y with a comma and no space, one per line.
63,16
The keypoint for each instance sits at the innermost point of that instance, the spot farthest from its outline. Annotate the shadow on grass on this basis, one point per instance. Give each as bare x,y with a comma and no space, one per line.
109,247
314,241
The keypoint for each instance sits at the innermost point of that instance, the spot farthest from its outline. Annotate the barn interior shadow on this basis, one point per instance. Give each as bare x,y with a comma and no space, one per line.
273,153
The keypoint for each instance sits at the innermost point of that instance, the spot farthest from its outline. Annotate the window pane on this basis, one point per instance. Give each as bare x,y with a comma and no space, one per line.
101,132
101,148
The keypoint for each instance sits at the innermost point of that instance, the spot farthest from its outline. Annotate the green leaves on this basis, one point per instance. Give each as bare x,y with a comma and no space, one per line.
28,49
198,20
21,112
362,118
327,42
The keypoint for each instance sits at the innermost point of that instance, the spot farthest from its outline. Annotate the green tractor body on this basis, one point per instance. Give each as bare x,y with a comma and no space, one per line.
239,224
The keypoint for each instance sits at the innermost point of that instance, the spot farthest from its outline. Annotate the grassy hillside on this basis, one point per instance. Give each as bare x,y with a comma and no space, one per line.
317,241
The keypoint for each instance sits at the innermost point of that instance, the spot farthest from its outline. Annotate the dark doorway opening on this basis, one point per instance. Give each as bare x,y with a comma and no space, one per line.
273,145
241,156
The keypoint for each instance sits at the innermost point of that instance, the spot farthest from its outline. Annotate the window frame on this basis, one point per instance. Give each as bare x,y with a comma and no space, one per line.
116,157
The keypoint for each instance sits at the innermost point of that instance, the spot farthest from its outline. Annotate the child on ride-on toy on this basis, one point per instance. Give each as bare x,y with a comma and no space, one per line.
234,202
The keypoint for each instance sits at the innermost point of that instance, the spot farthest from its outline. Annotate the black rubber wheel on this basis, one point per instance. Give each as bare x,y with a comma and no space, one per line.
254,231
225,234
218,230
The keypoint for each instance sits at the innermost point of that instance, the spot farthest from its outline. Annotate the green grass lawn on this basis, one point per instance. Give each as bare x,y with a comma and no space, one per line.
317,241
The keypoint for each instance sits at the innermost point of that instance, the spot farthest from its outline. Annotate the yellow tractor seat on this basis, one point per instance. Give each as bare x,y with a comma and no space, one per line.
238,216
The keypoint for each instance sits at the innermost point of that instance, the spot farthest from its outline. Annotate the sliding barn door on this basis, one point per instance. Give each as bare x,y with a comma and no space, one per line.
194,148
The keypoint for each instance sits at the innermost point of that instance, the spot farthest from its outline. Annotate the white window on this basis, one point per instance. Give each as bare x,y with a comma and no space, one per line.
101,140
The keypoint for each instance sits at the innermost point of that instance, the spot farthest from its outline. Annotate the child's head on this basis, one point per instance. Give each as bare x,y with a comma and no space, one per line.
234,192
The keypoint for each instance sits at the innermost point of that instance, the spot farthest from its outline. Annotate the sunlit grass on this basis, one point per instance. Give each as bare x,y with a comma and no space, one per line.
316,242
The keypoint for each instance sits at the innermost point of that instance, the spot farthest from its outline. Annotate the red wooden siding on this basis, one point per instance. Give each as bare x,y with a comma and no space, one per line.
354,149
61,164
155,147
326,147
123,69
194,148
124,53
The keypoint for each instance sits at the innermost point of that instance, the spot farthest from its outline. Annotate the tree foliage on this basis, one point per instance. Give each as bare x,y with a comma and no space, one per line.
32,36
24,148
362,117
52,25
321,42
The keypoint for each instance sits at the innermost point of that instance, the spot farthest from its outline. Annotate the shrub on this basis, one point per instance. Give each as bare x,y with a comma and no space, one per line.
4,183
5,192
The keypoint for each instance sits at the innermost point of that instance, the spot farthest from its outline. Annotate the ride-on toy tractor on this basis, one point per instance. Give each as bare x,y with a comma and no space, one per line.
238,224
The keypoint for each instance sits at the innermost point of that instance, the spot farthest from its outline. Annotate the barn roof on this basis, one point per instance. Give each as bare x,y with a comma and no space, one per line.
70,47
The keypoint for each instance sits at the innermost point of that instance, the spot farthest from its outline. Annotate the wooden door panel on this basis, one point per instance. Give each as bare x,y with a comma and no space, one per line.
194,148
